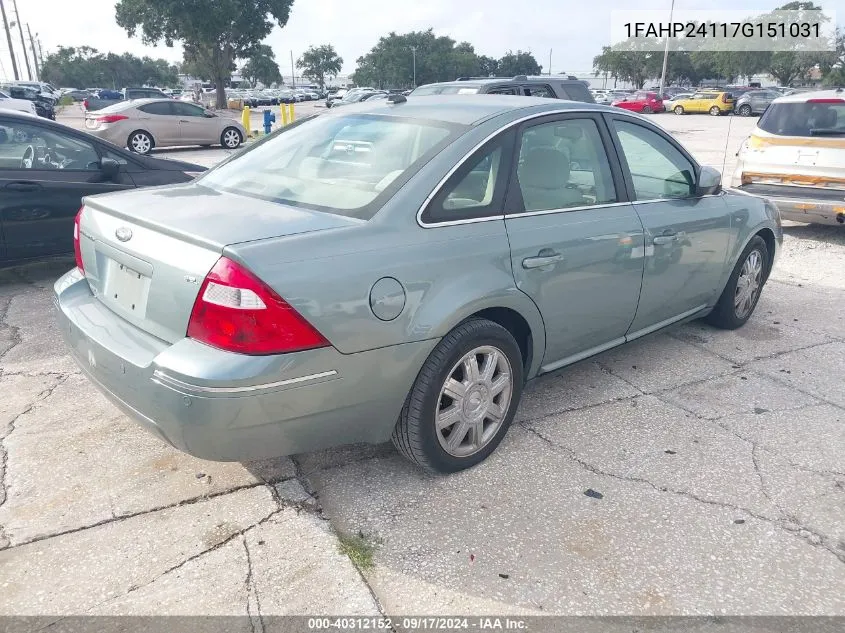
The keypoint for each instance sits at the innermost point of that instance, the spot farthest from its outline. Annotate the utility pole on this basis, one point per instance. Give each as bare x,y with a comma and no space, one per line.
666,55
414,53
9,40
23,43
34,57
550,62
292,72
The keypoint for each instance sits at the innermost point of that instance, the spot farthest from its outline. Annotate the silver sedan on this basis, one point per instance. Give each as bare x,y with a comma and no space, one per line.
143,124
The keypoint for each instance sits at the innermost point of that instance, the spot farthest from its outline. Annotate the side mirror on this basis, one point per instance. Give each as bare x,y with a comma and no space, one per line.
709,182
109,167
208,115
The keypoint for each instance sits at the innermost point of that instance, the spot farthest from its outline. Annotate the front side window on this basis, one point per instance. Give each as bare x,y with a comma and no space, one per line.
539,91
563,164
658,169
26,146
187,109
345,165
504,90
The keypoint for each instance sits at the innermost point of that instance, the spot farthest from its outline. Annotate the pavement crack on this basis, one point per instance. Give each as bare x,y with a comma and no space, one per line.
788,524
14,330
132,515
252,589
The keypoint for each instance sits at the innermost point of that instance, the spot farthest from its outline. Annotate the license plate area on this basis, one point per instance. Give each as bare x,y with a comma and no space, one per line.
126,289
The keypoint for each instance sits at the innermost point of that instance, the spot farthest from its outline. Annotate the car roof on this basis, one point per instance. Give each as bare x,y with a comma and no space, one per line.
464,109
801,97
483,81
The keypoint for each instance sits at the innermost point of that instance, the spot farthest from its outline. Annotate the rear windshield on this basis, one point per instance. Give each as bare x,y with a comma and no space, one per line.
345,165
804,119
577,92
445,90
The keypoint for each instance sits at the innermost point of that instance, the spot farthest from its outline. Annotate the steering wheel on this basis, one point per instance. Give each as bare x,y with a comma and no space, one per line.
28,160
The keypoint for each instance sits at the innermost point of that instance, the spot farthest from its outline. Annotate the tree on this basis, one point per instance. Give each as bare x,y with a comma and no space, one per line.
214,34
632,66
519,63
86,67
319,61
261,67
487,66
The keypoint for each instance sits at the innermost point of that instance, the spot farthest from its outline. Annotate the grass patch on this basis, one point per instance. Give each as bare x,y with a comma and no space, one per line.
359,550
67,100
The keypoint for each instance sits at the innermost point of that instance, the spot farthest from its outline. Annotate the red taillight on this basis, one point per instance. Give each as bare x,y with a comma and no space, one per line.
724,98
827,100
237,312
77,251
111,118
85,103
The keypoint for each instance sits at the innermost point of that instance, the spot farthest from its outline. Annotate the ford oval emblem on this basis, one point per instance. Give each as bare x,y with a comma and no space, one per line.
124,234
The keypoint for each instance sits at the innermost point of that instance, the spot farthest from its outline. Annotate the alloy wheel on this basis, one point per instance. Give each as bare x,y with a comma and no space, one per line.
474,401
231,138
140,143
748,284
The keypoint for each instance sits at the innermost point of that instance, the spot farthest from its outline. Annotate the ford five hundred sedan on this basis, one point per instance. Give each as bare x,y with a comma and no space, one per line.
400,269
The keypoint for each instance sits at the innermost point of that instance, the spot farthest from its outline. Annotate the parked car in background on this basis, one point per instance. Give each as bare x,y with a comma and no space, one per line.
643,102
144,124
796,157
480,241
47,168
754,102
714,103
353,96
44,106
542,86
669,104
105,99
602,97
337,95
77,95
20,105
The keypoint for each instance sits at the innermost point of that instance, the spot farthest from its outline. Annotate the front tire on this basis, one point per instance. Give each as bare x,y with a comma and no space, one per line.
463,399
646,109
140,142
740,296
679,110
715,111
744,110
231,138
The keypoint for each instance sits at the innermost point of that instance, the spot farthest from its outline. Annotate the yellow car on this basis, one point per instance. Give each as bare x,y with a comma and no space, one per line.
713,102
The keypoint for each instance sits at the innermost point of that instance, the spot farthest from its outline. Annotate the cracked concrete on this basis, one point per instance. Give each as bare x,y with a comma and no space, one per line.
693,472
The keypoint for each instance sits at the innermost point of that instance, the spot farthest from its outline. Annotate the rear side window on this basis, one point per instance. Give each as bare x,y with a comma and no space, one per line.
804,119
540,90
423,91
504,90
476,189
577,91
159,108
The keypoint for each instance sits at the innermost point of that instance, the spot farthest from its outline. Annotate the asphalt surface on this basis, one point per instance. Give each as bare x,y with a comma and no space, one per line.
694,472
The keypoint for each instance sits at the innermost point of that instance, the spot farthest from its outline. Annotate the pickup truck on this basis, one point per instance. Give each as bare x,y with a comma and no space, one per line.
95,102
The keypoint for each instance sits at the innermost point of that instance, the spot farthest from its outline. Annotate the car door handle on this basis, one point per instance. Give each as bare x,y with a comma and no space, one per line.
667,237
541,260
23,186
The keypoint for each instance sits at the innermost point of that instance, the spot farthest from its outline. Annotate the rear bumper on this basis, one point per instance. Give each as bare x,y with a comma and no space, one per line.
229,407
803,204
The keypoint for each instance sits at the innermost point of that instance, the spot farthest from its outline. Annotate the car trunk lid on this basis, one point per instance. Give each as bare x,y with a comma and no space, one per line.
146,253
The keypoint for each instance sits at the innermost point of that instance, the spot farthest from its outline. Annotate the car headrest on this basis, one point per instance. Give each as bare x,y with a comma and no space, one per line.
544,168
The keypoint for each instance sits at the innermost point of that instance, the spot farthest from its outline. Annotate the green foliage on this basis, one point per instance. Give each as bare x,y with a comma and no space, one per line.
359,550
85,67
318,62
519,63
214,34
261,67
390,63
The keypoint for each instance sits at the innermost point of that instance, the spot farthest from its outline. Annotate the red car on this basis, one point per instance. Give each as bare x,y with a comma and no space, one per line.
645,102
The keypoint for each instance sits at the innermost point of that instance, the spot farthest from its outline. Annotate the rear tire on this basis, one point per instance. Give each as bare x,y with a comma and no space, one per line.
469,387
740,296
715,111
140,142
679,109
646,109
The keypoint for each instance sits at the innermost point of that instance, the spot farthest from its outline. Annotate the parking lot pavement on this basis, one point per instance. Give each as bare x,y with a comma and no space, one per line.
693,472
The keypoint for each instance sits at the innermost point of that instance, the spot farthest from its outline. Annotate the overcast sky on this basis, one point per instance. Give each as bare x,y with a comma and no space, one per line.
574,29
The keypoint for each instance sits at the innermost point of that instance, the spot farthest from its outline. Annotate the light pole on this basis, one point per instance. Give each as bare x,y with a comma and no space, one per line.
550,62
9,40
34,56
414,53
23,43
666,54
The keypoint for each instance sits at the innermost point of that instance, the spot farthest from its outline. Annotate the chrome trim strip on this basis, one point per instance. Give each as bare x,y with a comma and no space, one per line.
528,214
664,323
162,377
466,157
582,355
